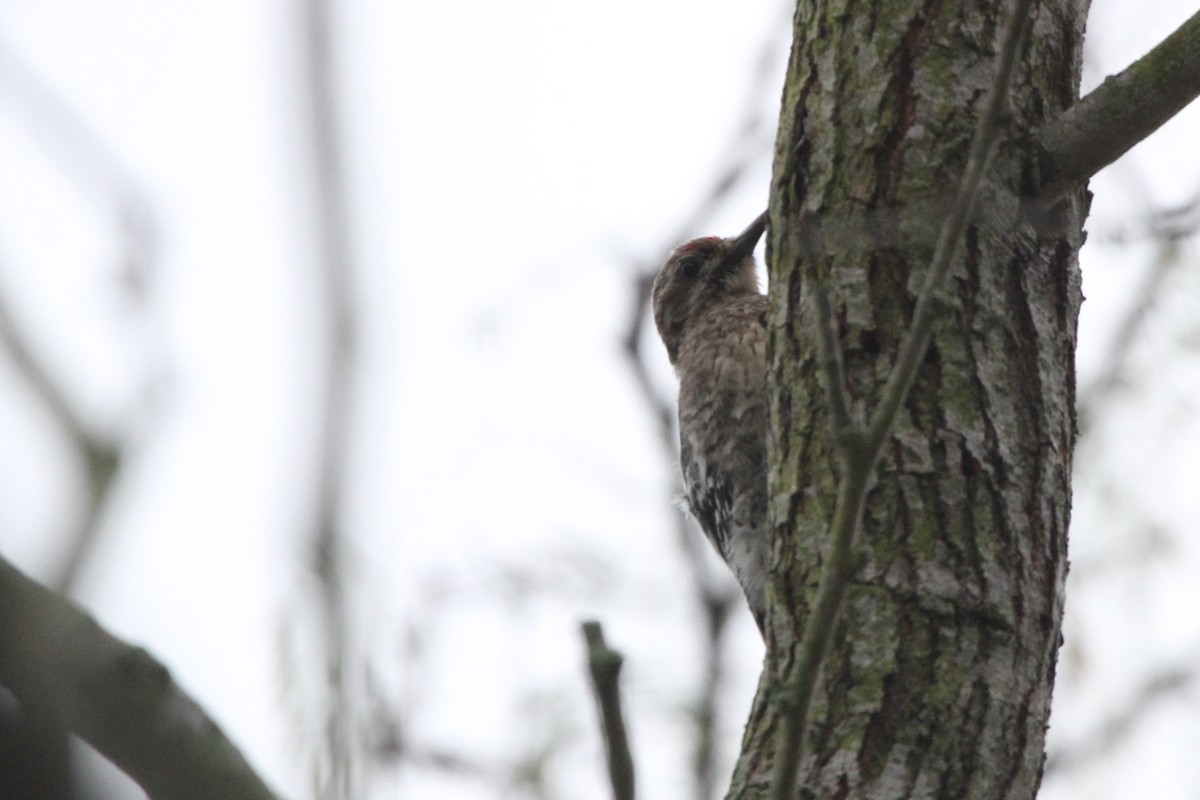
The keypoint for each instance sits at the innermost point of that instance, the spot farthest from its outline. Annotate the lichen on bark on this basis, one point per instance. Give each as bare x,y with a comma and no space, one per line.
939,679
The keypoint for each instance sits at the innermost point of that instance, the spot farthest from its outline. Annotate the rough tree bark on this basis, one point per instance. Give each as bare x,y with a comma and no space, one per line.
938,682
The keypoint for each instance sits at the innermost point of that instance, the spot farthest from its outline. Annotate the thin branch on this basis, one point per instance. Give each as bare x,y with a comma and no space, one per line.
51,395
859,450
1128,331
838,570
604,663
717,607
101,458
92,164
117,697
336,265
89,160
1114,731
660,409
1121,112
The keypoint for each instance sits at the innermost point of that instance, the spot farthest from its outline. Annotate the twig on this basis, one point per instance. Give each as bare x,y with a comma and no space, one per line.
604,663
1128,330
89,161
88,158
1168,228
117,697
1121,112
859,450
717,606
336,263
1113,731
101,458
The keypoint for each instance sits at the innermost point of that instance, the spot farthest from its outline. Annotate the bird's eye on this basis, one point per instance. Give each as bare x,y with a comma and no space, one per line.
689,267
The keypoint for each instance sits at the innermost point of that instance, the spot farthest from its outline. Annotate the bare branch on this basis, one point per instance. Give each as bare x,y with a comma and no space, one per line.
336,265
1121,112
88,159
117,697
101,458
1128,330
859,450
90,162
1115,730
604,663
717,606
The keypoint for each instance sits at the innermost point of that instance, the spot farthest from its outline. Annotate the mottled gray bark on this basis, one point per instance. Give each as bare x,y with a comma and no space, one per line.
938,681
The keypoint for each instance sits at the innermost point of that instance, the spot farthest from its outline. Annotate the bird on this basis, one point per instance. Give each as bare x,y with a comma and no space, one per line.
712,319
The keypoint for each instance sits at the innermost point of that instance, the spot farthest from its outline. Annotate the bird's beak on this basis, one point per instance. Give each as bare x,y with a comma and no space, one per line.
746,241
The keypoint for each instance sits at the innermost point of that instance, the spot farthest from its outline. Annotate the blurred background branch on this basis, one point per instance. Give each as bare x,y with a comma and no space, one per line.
1163,684
336,769
119,698
84,157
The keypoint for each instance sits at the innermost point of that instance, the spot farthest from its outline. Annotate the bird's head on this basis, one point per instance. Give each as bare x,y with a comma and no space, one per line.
700,273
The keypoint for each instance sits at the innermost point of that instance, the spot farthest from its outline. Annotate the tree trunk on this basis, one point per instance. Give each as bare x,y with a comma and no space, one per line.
938,681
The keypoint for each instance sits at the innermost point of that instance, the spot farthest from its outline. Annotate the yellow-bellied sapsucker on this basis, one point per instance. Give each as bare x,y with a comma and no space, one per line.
713,321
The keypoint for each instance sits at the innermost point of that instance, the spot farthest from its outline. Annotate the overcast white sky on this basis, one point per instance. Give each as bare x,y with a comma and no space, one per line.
508,161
